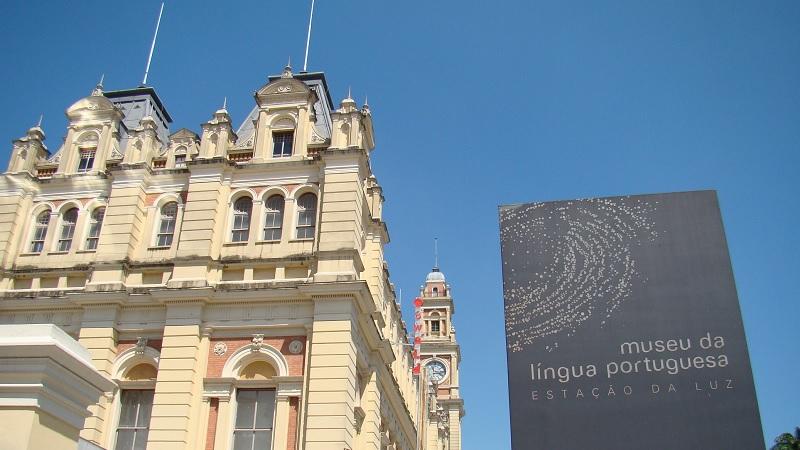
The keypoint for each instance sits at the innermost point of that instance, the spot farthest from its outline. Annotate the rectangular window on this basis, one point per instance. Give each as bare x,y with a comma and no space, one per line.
282,144
180,161
134,419
435,327
272,226
305,224
165,232
255,409
87,160
93,237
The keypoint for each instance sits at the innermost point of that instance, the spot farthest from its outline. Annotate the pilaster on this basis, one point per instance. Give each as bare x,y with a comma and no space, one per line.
332,376
98,334
177,400
371,406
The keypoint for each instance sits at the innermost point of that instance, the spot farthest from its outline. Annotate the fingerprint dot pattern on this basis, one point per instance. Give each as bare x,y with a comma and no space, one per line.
572,263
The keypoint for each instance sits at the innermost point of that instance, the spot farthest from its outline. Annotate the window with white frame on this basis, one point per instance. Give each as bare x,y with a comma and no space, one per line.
273,218
255,409
86,159
40,231
168,216
180,161
68,222
134,419
95,225
282,142
306,216
240,227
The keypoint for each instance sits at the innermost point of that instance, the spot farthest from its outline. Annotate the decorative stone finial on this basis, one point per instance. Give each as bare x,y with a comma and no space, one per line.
287,71
348,104
365,109
98,89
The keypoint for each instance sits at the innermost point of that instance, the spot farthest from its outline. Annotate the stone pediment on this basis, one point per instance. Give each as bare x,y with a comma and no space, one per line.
284,90
184,134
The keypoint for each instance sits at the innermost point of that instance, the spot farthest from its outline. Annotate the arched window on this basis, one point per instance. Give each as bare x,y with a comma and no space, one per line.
68,221
306,216
166,225
435,292
40,231
273,221
95,224
242,208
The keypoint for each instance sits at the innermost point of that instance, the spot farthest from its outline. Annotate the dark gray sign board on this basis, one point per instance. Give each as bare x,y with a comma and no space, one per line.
623,327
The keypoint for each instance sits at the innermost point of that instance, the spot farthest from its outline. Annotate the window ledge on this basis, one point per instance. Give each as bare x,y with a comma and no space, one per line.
86,251
31,254
234,244
58,253
160,247
302,240
276,241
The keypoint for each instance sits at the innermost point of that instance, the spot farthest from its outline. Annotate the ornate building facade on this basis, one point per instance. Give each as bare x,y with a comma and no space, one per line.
231,283
440,356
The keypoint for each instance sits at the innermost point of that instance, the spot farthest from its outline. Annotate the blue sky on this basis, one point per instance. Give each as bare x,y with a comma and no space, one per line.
478,104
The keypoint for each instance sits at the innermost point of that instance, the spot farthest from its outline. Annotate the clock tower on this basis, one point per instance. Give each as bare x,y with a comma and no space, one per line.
440,356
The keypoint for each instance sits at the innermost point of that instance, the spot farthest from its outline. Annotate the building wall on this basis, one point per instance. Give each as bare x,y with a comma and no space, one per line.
197,319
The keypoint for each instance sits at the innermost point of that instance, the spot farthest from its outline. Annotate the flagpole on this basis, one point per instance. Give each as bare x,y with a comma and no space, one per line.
152,46
308,36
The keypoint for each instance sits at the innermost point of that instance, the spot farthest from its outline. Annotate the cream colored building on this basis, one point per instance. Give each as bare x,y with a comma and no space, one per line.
231,283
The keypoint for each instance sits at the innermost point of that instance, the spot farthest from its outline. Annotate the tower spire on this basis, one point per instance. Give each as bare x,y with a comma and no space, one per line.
152,46
39,123
308,36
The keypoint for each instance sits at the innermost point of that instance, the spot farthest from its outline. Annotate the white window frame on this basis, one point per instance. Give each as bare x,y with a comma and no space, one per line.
92,222
159,219
92,151
233,214
283,153
281,215
36,226
299,210
63,241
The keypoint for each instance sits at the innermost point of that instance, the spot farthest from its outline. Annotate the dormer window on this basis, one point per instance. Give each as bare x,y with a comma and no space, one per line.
282,142
180,161
87,160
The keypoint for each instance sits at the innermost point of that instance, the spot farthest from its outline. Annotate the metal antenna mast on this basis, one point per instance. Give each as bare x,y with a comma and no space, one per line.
152,46
308,36
436,253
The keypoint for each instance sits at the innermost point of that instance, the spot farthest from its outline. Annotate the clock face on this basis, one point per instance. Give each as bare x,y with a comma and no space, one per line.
436,370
